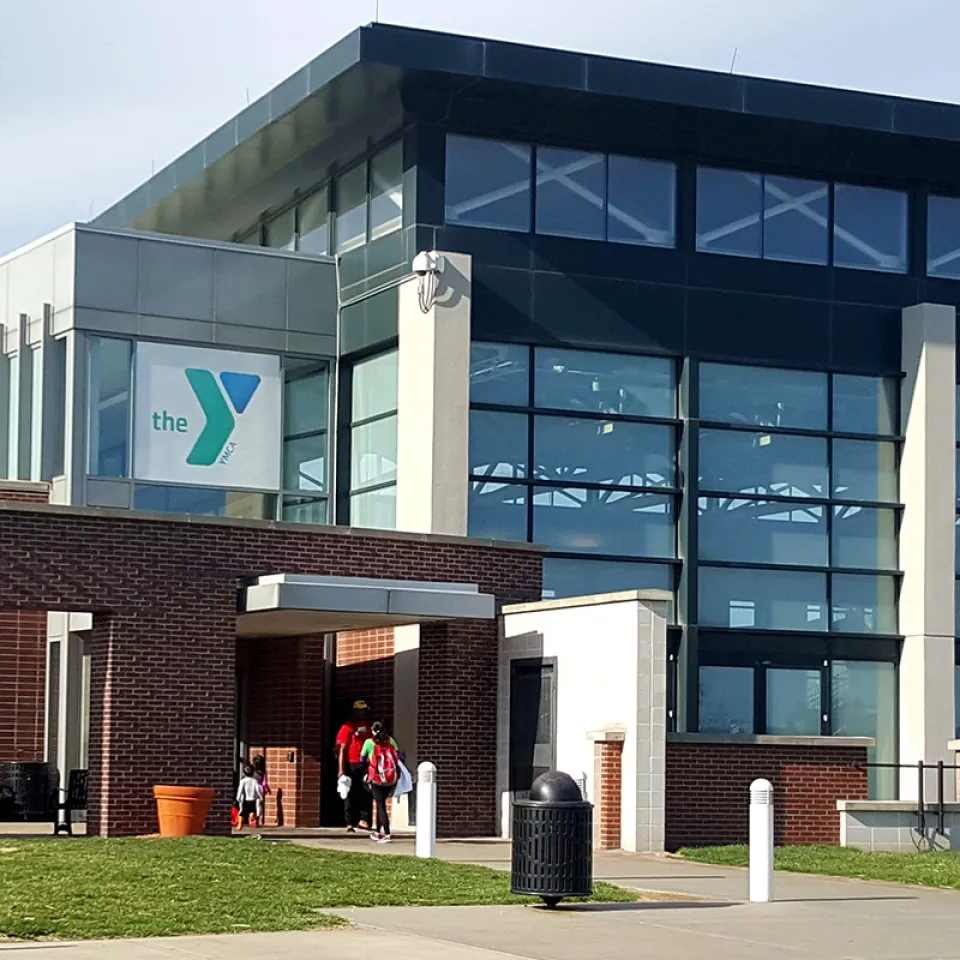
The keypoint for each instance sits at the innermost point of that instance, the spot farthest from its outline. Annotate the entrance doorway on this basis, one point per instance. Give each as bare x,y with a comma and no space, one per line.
533,722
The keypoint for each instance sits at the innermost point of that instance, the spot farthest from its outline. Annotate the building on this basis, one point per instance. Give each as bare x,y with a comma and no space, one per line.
695,333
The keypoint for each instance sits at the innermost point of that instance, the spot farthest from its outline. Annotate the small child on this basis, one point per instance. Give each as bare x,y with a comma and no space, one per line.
259,765
249,797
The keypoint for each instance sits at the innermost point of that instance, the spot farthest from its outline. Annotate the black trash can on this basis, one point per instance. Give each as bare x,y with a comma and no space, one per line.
30,789
553,841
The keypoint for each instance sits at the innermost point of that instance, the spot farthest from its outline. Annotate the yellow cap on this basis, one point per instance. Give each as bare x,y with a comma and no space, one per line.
360,705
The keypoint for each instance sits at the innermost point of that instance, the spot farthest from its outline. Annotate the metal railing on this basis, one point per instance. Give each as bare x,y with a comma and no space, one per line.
923,769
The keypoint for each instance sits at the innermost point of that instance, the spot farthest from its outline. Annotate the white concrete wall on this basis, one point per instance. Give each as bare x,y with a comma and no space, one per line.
610,654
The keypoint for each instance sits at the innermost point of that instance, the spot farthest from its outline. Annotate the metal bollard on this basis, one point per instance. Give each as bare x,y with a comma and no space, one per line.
426,846
761,841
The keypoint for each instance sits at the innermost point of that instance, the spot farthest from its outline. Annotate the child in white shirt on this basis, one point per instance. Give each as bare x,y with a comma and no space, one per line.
249,797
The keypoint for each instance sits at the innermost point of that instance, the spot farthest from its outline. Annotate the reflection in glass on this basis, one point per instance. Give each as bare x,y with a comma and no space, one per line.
763,396
280,233
870,228
386,191
571,190
757,531
864,537
374,389
864,604
604,383
726,700
204,501
315,223
864,704
795,220
641,201
729,204
604,451
304,463
741,461
580,578
351,220
793,702
305,398
488,183
614,522
109,392
500,373
865,470
763,599
865,404
304,510
497,511
498,444
376,509
373,453
943,237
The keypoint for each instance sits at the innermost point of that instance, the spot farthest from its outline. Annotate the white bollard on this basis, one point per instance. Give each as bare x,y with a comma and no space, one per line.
426,847
761,841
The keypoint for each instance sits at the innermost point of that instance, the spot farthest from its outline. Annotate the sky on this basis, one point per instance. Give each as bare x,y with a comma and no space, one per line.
96,94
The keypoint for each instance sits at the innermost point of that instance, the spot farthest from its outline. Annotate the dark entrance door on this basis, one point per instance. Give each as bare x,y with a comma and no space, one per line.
533,717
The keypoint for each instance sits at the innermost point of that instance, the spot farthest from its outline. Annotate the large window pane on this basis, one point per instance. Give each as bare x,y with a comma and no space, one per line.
351,222
795,219
488,183
581,578
304,510
376,509
204,501
864,604
741,461
865,538
305,463
373,453
757,531
374,386
763,396
864,470
579,520
386,191
870,228
726,700
793,703
608,383
763,599
865,404
315,223
497,511
109,399
943,237
729,205
280,232
305,399
500,373
571,189
641,201
498,444
604,451
864,704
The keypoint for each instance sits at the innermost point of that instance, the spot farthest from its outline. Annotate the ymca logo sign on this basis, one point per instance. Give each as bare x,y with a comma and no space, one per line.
209,417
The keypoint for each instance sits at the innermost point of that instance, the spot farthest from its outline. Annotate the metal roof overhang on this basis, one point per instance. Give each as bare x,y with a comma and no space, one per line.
287,605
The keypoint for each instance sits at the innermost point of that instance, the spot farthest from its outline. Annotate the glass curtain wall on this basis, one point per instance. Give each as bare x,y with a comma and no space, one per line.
306,412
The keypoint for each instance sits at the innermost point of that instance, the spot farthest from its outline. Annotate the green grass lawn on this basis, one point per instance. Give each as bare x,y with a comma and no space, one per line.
925,869
88,888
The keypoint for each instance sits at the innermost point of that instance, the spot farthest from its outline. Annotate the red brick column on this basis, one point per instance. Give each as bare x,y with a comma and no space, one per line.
457,723
23,669
285,709
608,787
161,710
364,672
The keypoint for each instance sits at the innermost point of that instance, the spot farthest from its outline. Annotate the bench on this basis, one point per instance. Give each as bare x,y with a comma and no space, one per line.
75,799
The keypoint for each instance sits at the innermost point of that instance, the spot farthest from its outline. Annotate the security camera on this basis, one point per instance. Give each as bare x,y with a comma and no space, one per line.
427,262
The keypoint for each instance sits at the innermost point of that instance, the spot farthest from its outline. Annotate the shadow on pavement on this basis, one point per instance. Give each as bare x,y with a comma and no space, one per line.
634,907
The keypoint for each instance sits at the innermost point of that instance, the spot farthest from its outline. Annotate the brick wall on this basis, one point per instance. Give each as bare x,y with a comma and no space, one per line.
163,595
364,672
284,695
608,782
23,661
708,790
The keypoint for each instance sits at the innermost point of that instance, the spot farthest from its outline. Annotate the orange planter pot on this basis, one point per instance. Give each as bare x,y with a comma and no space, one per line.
182,811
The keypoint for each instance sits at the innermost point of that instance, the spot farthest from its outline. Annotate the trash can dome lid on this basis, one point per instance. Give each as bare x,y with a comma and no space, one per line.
555,787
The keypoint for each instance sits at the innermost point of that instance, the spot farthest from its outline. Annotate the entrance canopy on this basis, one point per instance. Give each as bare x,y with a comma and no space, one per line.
287,605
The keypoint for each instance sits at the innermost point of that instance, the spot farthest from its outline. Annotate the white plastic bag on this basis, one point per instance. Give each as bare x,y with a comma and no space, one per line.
343,787
404,781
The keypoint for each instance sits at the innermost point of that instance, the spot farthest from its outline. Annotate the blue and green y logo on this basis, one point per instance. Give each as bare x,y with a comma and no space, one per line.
213,444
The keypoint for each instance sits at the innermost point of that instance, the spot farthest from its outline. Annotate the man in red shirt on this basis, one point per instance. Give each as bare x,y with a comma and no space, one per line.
358,805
